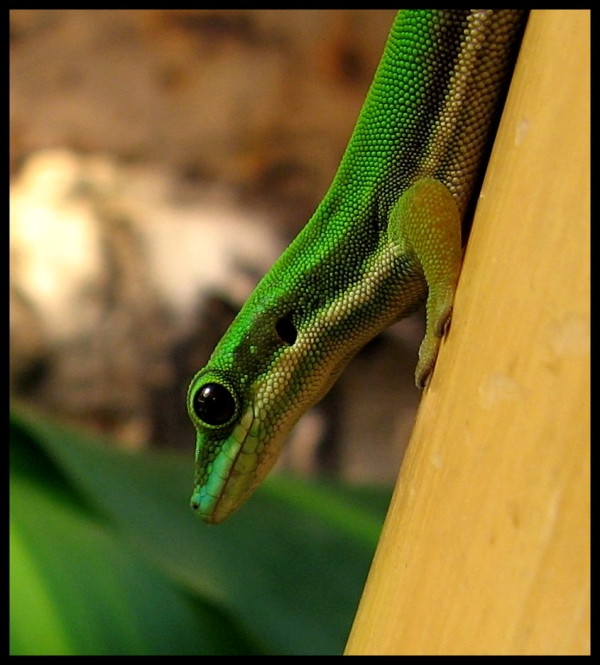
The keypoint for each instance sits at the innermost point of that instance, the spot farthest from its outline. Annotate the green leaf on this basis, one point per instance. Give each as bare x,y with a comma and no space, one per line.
283,576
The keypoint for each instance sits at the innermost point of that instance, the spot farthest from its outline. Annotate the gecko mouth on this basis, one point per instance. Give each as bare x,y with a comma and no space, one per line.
231,476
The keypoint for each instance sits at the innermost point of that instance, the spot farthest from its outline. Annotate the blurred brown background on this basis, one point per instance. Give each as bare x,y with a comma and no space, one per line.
160,161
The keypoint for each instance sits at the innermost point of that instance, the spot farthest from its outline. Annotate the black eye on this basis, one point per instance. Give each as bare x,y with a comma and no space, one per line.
214,404
286,330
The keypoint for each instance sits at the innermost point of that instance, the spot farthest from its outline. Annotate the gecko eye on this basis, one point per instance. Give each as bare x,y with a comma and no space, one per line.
286,330
214,404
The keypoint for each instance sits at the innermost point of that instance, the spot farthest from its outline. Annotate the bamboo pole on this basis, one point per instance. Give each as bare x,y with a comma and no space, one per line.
486,546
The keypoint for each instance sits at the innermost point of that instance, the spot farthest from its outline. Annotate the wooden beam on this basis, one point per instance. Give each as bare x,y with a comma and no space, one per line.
486,547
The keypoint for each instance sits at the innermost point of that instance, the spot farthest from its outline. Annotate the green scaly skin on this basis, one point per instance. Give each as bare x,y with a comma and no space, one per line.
385,239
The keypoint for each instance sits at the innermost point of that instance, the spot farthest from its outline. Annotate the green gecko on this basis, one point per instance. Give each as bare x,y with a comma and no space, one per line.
385,239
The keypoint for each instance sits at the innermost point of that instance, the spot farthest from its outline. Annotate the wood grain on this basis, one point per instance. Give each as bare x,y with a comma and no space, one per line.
486,546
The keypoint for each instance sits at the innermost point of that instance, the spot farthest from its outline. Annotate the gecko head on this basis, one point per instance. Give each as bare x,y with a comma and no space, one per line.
232,457
264,374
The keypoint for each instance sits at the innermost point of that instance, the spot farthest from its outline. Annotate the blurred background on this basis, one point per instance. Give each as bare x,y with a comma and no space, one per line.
160,161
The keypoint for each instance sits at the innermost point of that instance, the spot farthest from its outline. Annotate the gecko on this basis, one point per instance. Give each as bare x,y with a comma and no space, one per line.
385,240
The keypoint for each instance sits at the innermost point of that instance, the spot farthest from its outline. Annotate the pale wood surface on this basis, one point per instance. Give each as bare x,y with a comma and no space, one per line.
486,547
